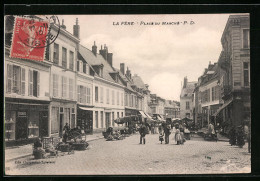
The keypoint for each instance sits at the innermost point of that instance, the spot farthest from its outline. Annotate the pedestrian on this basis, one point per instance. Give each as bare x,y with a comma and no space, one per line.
161,134
66,129
178,137
211,130
167,132
182,136
143,131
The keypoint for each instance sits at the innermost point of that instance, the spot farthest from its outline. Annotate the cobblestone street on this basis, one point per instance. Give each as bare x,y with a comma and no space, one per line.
129,157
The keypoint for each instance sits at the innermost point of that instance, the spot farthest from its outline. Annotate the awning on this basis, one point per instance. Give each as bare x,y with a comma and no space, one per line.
87,108
148,115
222,107
142,113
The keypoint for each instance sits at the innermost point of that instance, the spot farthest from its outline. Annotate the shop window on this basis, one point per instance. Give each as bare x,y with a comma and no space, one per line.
64,58
71,66
56,54
33,127
34,83
10,120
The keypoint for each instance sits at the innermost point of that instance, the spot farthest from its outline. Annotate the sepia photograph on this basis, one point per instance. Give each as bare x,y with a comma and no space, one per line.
127,94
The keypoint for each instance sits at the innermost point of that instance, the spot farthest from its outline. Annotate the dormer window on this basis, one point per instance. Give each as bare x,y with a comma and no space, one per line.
101,72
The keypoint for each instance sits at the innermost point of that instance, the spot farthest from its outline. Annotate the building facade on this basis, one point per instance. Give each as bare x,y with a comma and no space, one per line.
186,97
234,61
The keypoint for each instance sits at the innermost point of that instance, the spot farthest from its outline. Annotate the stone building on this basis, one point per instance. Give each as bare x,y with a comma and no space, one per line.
186,108
234,61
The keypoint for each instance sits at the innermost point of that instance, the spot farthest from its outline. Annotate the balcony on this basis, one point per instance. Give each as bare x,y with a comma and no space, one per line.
225,90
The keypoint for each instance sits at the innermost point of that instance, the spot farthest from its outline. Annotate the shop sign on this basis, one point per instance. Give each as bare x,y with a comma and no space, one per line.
21,114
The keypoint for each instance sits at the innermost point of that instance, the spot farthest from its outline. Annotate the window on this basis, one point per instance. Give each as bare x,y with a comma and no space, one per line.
34,83
78,65
73,118
101,117
88,95
122,99
107,96
71,88
122,114
64,87
117,98
71,67
96,93
187,105
64,57
101,72
126,97
113,97
96,113
213,93
246,38
101,95
81,94
15,82
56,54
84,68
117,114
246,73
55,85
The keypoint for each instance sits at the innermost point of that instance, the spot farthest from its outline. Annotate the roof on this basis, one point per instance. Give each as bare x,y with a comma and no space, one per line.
211,73
188,91
98,60
137,80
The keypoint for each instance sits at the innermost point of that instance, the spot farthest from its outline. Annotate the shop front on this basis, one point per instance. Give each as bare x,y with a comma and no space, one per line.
25,120
62,112
85,119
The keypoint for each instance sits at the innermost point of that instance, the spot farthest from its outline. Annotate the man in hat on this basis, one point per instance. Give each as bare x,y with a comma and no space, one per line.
143,131
167,132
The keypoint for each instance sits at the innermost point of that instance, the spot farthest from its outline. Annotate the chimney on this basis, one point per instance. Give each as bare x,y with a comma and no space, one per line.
128,72
122,68
76,29
94,49
103,52
63,26
185,82
110,59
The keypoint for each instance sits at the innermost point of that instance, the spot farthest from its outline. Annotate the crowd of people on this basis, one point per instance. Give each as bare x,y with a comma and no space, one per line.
164,130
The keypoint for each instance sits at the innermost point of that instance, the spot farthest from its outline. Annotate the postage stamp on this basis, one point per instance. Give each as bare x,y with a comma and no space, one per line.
30,37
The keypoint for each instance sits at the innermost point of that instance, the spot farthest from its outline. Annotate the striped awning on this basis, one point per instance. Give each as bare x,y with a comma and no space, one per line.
222,107
143,114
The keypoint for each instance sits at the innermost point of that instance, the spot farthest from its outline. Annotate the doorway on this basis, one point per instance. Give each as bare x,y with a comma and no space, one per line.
61,124
21,126
108,123
43,123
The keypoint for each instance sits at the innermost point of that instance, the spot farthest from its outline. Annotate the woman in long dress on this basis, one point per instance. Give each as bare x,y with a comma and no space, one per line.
178,137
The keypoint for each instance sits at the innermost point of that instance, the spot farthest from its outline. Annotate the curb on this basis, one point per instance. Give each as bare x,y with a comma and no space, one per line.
24,156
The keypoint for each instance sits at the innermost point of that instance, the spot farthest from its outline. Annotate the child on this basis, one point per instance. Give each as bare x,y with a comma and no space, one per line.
161,136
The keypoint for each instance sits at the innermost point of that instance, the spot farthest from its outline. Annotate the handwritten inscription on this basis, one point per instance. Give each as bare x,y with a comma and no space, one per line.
144,23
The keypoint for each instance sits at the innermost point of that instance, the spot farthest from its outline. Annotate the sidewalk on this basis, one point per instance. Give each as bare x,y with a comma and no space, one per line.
220,137
17,152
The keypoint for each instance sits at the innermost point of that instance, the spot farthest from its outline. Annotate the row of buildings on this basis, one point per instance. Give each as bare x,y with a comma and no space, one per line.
72,85
222,92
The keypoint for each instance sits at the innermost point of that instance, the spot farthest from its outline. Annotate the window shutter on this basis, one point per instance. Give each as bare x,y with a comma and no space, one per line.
9,78
30,85
38,84
23,81
78,93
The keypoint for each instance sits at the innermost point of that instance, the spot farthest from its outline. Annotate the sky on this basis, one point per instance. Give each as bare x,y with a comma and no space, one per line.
161,54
